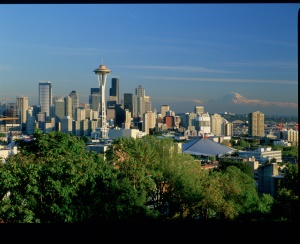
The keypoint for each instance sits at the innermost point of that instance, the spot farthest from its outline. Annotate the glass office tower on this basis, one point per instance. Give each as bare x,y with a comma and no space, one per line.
45,97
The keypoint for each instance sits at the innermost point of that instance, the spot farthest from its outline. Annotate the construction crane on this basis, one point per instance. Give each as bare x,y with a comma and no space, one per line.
8,118
279,126
6,99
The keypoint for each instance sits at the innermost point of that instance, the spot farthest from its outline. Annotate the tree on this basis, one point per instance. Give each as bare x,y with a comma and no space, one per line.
286,206
133,160
52,179
226,162
229,195
157,169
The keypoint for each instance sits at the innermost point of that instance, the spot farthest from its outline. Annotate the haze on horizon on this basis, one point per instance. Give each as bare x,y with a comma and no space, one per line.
182,54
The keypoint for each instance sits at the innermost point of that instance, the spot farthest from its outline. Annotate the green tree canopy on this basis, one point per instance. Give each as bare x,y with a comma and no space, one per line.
286,205
52,179
224,163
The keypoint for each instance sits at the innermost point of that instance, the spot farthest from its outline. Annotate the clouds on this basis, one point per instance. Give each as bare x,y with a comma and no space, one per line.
272,64
178,68
222,80
5,67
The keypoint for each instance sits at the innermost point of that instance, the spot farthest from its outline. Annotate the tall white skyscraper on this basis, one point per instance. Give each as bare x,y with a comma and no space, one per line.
22,107
164,109
149,119
45,97
203,124
140,91
141,103
216,124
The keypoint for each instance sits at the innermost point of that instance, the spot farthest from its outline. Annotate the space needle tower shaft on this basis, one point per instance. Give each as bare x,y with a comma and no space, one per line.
102,73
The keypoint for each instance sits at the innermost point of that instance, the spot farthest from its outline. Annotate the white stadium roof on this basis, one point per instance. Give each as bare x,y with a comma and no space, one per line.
206,147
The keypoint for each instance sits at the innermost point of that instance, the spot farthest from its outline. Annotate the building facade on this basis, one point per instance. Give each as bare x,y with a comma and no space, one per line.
22,107
128,102
45,98
149,120
216,124
114,90
199,110
256,124
94,99
164,109
141,103
75,101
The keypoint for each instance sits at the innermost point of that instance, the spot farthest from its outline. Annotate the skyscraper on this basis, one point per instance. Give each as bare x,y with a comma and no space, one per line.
149,119
128,102
75,102
95,97
114,90
256,124
45,98
30,122
141,103
199,110
68,106
203,124
140,91
164,109
127,122
59,109
22,107
216,124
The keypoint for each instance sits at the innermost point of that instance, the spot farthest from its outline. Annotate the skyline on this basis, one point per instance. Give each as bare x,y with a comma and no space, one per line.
182,54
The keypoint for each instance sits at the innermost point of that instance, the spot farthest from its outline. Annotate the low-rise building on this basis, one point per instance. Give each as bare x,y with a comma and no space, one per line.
262,154
6,151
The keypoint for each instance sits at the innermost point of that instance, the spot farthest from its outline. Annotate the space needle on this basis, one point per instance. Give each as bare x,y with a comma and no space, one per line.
102,73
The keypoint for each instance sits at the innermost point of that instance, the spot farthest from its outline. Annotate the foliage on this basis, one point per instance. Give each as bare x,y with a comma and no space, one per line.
228,194
224,163
286,205
291,151
54,179
51,180
158,169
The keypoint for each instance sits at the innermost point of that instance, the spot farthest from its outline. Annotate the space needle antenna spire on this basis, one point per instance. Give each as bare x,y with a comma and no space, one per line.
102,72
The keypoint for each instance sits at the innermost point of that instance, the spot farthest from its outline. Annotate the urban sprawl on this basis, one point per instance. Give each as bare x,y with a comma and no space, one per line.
198,133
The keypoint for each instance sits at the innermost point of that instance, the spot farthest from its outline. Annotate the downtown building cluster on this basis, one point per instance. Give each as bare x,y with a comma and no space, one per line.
133,111
130,115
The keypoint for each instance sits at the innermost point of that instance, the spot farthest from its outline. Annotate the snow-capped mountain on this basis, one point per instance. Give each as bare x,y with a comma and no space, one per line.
237,103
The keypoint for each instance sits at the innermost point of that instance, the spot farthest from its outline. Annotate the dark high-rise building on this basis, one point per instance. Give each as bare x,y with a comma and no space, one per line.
114,90
120,115
128,102
94,98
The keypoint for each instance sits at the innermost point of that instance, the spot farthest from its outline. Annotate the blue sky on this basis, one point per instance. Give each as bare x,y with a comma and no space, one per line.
177,52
